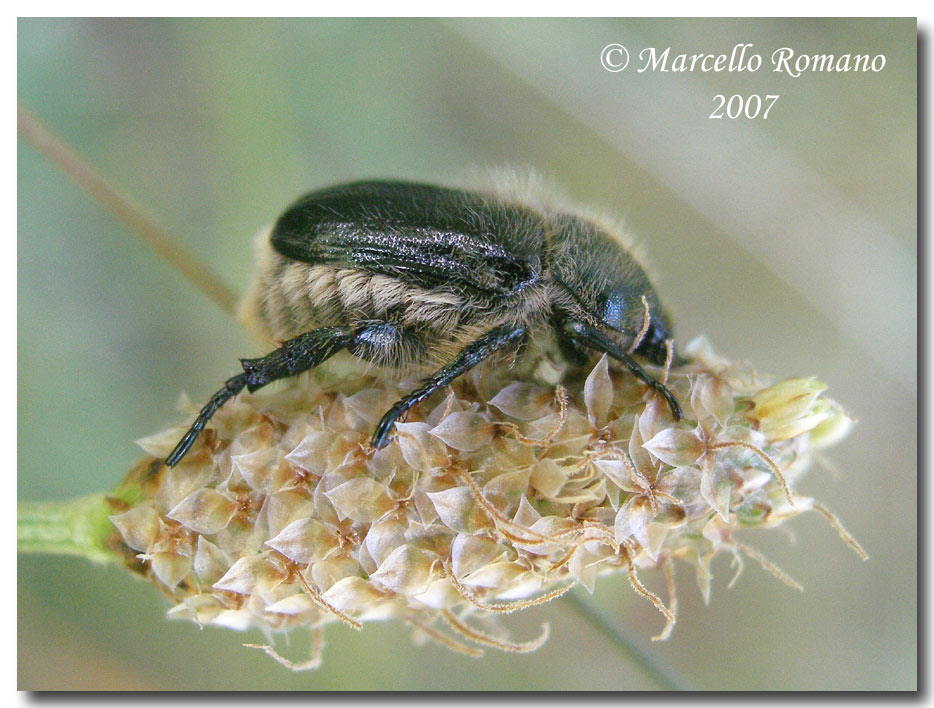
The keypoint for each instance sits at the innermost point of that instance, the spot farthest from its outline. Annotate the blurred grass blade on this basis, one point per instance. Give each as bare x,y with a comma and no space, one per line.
653,667
34,132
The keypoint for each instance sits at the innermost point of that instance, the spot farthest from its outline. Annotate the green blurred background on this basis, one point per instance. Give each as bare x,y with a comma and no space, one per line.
790,242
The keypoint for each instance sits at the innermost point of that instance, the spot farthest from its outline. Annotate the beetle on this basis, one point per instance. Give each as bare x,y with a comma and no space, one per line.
417,278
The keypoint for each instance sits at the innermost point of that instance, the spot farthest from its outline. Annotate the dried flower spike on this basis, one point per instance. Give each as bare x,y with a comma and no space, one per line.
498,496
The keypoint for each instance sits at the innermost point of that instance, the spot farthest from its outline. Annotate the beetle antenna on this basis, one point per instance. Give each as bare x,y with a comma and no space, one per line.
646,321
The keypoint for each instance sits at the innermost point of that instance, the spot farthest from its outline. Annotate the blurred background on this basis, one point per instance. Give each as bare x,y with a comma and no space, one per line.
790,242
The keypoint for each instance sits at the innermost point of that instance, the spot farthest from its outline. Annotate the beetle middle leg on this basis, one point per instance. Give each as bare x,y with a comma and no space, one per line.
471,355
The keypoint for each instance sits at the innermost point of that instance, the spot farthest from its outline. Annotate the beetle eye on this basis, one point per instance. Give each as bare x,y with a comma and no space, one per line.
613,312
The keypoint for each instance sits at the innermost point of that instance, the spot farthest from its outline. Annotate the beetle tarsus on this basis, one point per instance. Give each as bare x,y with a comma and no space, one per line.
232,387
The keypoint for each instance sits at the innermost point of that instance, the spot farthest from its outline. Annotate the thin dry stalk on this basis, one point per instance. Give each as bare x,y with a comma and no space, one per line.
768,565
844,534
646,321
507,607
496,516
324,604
53,148
483,638
316,653
765,458
672,601
644,591
443,639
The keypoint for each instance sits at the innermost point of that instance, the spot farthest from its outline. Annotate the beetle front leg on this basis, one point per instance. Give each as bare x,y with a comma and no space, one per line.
587,336
474,353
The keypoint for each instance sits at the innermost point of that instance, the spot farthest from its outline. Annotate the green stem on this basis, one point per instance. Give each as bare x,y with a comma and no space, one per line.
77,527
653,665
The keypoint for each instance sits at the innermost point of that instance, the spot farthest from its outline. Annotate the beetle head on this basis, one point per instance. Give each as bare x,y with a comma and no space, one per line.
607,287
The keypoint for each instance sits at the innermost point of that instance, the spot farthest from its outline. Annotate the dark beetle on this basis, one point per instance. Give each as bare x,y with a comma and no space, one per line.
430,280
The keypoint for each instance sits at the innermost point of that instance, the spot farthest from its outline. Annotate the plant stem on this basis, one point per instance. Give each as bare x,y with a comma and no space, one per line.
653,665
33,131
76,527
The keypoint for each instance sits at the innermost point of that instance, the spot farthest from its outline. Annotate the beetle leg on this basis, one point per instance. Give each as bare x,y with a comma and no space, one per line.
293,357
471,355
585,335
232,387
297,355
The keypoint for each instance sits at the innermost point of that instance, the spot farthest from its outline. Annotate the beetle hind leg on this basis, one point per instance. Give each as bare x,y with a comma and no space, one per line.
293,357
232,387
297,355
377,341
